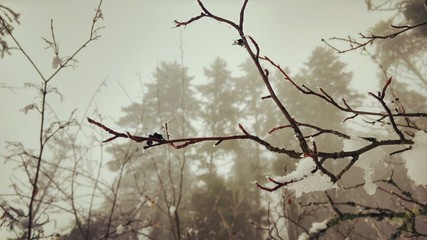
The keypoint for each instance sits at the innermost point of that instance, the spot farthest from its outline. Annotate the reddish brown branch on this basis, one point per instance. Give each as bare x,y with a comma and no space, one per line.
242,14
346,168
354,45
109,130
207,13
319,165
318,157
185,23
380,98
278,184
319,129
243,129
385,88
345,108
184,142
255,58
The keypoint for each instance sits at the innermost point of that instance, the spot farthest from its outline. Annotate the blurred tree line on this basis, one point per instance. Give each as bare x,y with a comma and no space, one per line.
205,191
207,187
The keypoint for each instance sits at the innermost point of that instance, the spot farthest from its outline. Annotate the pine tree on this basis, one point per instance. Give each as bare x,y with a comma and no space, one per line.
160,175
403,59
323,69
210,205
233,203
213,202
251,161
219,113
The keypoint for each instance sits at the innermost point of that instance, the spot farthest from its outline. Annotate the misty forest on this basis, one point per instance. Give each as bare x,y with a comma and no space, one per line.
259,152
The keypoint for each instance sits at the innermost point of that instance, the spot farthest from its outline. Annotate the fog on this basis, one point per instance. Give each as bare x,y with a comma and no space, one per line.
130,66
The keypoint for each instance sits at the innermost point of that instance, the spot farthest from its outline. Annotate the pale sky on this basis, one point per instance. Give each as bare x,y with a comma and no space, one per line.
138,34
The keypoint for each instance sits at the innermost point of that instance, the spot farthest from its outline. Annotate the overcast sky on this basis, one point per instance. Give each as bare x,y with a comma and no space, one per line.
140,34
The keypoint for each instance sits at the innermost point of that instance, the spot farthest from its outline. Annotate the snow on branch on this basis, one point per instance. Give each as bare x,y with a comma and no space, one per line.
312,160
405,216
304,179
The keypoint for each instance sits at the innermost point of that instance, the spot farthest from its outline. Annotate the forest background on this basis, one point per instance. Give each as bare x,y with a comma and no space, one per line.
201,85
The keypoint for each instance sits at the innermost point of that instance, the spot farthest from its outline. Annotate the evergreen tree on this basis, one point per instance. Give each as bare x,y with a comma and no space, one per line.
218,211
322,70
403,59
252,161
160,175
211,201
219,113
233,203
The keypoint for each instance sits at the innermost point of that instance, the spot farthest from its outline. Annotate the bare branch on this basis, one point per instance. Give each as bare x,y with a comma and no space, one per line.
370,39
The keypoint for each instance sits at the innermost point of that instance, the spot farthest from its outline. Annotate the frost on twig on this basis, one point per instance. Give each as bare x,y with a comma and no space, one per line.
367,162
304,179
416,159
